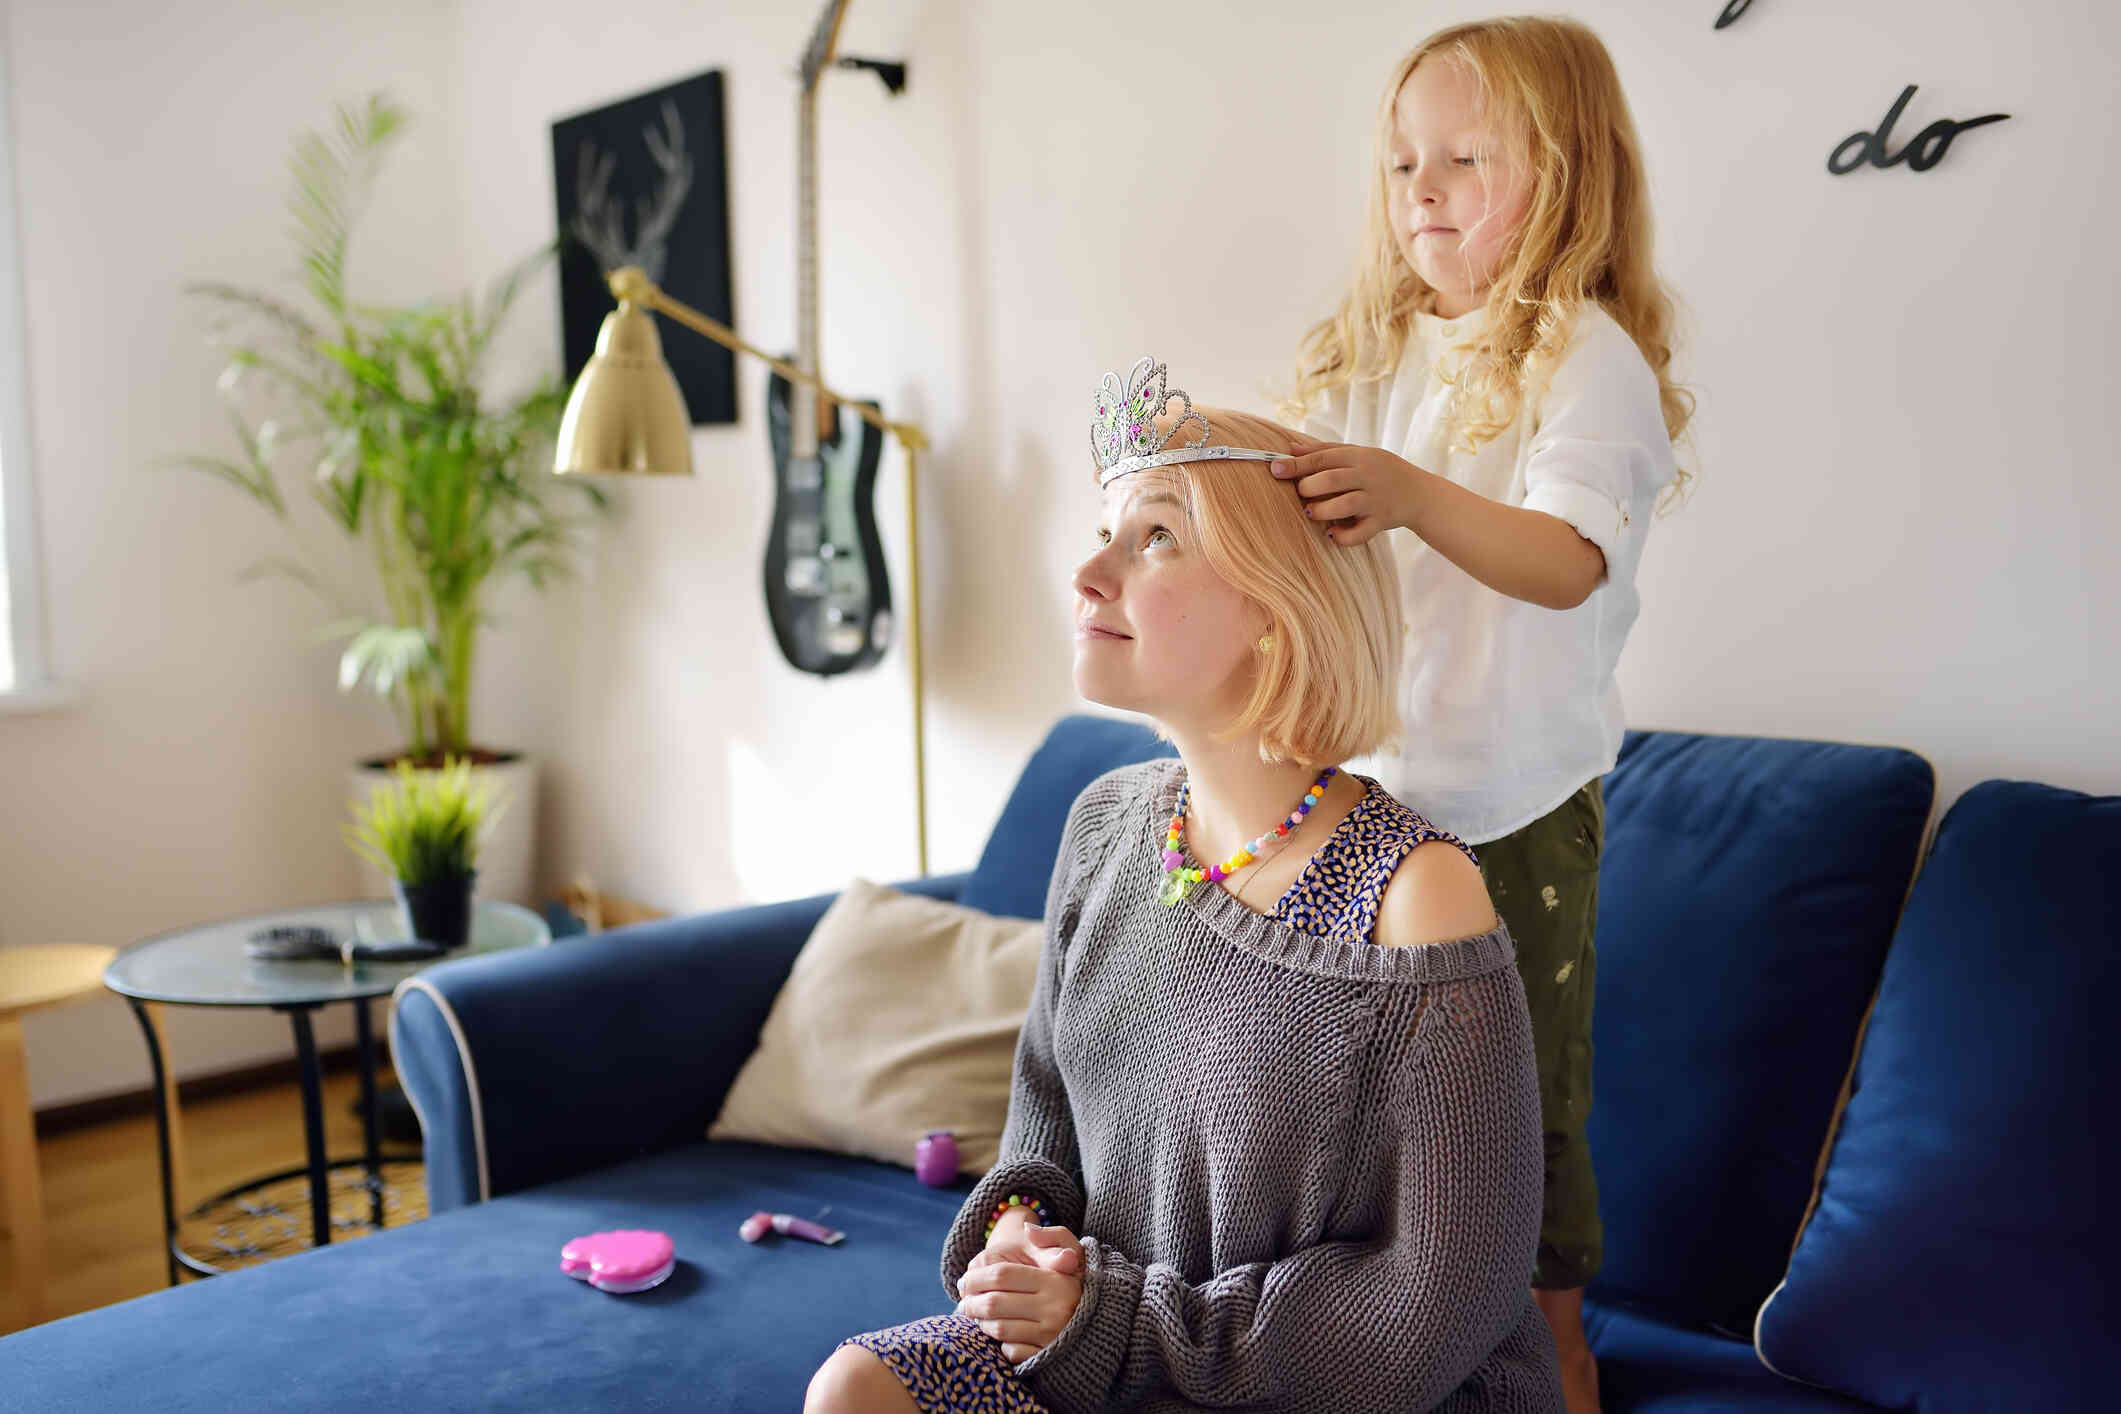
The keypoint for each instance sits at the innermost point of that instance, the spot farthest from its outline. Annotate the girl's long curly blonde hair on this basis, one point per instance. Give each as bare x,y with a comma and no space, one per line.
1549,90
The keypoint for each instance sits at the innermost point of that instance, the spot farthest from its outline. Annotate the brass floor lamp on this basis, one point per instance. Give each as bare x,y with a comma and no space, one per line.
626,417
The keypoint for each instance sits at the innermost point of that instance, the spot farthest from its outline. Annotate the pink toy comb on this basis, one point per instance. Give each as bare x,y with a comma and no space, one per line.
625,1261
759,1224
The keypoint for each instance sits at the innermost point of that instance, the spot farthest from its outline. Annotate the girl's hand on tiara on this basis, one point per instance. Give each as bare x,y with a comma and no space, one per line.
1026,1304
1355,491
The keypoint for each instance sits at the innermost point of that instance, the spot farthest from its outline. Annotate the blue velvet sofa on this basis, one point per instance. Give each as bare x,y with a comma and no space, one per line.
1756,964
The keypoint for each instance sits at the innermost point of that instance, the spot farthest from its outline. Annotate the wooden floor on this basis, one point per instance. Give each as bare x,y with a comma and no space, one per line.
102,1193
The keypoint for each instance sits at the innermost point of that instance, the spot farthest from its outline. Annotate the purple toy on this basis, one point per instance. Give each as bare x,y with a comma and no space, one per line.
755,1228
935,1159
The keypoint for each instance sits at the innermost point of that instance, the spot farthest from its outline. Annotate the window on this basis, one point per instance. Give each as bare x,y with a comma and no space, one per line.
23,676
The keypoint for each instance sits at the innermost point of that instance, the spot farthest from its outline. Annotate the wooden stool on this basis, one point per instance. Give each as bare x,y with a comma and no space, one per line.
32,977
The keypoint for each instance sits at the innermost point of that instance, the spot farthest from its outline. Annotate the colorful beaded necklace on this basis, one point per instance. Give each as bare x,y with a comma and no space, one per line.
1180,877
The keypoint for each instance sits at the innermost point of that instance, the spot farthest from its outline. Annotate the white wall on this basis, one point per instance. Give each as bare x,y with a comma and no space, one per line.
1906,425
697,768
1903,436
1903,431
199,773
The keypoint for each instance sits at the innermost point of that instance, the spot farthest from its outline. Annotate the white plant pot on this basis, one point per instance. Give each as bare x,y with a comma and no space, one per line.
507,862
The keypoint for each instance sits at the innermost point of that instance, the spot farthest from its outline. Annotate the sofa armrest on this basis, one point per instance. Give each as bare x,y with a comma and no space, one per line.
531,1066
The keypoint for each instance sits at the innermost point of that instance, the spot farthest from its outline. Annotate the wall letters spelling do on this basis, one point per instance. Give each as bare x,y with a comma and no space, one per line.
1925,152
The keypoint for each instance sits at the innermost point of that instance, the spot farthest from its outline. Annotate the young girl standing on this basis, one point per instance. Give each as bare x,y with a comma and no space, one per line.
1495,383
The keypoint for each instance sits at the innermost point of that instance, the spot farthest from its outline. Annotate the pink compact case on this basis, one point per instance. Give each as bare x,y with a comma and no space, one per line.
625,1261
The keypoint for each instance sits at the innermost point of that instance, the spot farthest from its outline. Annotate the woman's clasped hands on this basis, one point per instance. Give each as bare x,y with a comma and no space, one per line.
1024,1287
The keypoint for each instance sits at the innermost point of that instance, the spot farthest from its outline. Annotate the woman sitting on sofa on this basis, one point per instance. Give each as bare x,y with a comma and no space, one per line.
1273,1138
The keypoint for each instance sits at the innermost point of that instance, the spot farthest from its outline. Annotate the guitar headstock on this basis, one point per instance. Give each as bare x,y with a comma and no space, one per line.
824,37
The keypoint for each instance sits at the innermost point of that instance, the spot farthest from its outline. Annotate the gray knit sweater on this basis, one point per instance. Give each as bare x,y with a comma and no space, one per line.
1306,1173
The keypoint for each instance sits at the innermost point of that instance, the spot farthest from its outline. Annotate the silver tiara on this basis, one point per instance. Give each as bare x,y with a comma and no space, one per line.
1123,436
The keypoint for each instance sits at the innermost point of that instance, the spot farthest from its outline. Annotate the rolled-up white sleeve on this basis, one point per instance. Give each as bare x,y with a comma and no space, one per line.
1328,423
1600,457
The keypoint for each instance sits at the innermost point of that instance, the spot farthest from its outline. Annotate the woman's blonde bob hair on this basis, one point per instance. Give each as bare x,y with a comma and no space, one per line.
1327,677
1552,98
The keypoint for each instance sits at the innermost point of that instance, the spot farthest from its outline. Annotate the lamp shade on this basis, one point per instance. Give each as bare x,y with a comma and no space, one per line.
625,416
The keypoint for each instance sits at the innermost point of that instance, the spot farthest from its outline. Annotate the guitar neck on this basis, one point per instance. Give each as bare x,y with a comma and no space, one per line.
805,440
817,56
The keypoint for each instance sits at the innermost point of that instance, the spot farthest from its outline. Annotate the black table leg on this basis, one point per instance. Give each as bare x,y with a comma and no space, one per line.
371,1149
169,1194
313,1126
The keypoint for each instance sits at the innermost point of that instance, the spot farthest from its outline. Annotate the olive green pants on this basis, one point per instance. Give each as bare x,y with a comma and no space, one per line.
1544,881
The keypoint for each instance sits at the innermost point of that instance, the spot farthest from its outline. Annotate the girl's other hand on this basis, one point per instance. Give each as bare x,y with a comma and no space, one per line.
1356,491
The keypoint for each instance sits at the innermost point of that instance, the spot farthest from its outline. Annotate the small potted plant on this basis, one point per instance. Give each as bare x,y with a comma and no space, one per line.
423,829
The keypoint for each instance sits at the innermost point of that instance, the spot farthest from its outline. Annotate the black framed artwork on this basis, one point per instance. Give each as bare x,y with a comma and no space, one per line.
645,181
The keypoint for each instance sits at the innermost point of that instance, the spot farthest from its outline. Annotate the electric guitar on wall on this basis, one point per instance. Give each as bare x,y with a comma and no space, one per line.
827,593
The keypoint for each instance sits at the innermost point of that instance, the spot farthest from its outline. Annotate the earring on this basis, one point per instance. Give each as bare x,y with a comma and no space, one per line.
1266,643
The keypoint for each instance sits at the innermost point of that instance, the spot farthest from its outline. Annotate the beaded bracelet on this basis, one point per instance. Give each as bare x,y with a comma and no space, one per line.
1019,1200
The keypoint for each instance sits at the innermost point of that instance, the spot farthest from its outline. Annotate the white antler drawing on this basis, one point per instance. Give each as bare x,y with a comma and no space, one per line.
600,225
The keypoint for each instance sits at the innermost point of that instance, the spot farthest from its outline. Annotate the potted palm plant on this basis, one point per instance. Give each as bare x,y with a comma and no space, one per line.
383,413
423,829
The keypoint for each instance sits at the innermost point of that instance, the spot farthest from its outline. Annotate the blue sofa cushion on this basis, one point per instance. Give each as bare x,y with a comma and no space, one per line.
1648,1367
1746,896
1962,1253
469,1310
1017,864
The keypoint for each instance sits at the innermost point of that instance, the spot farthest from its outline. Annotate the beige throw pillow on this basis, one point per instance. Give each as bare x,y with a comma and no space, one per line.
900,1017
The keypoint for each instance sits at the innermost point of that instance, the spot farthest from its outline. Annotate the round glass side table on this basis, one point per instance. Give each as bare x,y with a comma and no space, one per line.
208,966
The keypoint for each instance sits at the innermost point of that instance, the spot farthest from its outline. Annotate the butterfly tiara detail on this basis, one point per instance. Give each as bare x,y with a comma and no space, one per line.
1123,433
